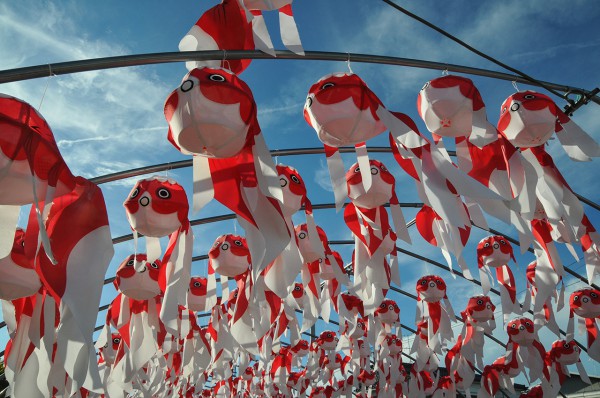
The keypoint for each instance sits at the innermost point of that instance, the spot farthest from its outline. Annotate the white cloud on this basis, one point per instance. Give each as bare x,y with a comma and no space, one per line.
322,177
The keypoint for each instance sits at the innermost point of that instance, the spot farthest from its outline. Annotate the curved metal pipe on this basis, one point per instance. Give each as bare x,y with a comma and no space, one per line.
63,68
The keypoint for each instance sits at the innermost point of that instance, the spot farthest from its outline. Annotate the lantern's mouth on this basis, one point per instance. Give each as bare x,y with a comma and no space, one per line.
145,201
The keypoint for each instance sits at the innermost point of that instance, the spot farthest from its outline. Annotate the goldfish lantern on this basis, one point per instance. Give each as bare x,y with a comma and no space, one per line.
310,250
32,169
77,223
280,274
18,278
496,252
289,32
158,207
388,313
138,285
344,111
368,220
528,119
562,354
212,115
478,319
586,304
451,106
431,293
523,342
201,294
222,27
229,255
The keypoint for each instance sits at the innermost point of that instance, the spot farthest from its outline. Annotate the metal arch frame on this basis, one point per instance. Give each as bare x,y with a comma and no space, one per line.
61,68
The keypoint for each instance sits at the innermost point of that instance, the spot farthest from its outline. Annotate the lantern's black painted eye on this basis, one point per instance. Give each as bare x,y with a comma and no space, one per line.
356,169
237,242
479,302
154,265
576,298
594,295
187,86
328,334
567,345
504,109
487,244
134,193
514,326
309,102
423,282
130,263
163,193
502,241
217,78
297,288
197,284
295,179
327,85
116,340
529,96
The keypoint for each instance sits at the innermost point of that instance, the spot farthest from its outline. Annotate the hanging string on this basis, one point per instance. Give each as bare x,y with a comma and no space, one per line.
50,74
514,83
348,64
472,49
225,62
445,72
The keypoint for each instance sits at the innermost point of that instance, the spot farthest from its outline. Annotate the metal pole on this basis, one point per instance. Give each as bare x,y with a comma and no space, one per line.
62,68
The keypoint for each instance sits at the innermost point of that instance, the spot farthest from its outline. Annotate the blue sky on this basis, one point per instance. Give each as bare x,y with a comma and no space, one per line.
112,120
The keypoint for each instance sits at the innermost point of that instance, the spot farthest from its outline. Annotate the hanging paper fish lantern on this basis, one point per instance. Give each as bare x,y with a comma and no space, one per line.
562,354
138,285
289,31
202,296
229,255
523,342
431,293
478,318
158,207
528,119
496,252
343,111
212,115
586,304
32,168
222,27
78,224
18,277
451,106
280,274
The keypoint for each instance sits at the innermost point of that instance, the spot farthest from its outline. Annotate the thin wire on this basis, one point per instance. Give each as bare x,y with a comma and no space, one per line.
474,50
45,88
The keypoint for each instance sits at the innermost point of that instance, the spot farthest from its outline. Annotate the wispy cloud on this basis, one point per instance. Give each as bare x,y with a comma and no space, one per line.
69,143
100,115
322,177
